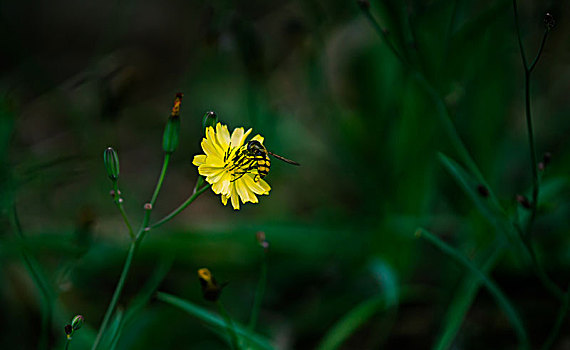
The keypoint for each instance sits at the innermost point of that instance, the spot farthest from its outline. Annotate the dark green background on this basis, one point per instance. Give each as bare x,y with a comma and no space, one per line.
316,80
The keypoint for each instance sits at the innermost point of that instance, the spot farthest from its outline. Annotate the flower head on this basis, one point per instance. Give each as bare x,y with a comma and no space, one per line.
228,168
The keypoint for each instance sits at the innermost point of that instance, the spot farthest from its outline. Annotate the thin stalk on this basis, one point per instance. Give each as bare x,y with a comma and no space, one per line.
517,26
180,208
495,291
259,293
119,205
67,343
145,228
111,308
558,324
161,178
231,329
532,150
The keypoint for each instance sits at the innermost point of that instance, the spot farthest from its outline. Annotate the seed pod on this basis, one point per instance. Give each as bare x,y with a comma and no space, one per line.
111,161
210,119
170,138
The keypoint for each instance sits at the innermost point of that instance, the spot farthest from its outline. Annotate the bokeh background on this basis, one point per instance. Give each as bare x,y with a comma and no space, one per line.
317,81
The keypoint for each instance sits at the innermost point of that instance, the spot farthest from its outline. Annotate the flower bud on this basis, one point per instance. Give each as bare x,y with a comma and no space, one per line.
77,322
170,138
211,290
210,119
68,329
549,21
111,160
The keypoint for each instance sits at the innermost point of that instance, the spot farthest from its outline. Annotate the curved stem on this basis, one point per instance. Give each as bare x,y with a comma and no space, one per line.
542,43
180,208
521,47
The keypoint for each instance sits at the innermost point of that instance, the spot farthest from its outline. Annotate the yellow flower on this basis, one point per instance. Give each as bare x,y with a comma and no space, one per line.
224,167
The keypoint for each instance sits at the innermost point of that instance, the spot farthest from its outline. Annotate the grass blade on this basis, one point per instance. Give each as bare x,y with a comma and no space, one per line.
348,324
497,294
214,320
460,305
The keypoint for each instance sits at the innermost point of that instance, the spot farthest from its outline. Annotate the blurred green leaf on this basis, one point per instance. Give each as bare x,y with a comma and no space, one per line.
214,320
500,298
464,297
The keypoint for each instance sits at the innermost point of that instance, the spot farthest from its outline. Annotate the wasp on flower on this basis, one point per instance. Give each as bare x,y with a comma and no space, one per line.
235,169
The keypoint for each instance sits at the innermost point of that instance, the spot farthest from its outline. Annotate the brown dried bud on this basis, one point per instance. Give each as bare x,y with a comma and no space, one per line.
523,201
483,191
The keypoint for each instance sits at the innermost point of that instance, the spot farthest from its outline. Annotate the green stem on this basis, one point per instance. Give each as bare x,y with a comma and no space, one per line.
501,299
559,321
111,308
145,228
521,47
230,325
67,343
259,293
161,178
532,150
180,208
119,204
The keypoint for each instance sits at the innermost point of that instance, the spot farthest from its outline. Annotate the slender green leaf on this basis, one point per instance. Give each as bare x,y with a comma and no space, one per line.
500,298
353,320
487,204
214,320
463,299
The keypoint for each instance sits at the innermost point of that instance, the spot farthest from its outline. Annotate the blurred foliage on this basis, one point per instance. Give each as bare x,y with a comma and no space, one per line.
318,83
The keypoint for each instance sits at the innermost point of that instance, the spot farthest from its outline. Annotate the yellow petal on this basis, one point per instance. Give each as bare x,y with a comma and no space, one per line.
259,186
211,150
224,199
245,193
207,170
234,197
223,135
211,137
199,159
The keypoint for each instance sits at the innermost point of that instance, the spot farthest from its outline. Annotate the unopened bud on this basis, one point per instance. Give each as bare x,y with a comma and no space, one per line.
523,201
77,322
170,138
210,119
147,206
111,161
68,329
549,21
541,166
